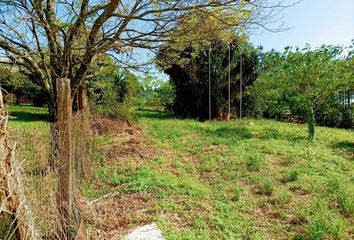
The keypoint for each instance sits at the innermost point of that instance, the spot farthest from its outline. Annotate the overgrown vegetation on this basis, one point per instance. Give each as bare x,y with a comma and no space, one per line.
189,72
310,83
234,180
113,93
16,86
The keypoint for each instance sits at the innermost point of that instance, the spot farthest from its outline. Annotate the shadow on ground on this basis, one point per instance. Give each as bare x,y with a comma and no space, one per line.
26,114
154,114
345,145
235,132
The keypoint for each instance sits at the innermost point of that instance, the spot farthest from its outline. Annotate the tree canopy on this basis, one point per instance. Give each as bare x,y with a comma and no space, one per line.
61,39
303,79
189,72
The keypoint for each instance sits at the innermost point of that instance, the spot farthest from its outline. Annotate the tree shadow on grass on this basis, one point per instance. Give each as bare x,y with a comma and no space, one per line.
231,132
22,116
346,146
154,114
269,133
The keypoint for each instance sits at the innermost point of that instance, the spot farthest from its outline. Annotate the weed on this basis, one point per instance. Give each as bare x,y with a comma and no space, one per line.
99,157
291,176
324,223
270,133
282,196
345,200
346,145
334,184
236,195
254,162
192,187
240,132
267,187
90,193
316,230
288,160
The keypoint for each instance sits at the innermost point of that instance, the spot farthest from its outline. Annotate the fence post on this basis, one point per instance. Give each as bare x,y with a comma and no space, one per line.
65,165
83,143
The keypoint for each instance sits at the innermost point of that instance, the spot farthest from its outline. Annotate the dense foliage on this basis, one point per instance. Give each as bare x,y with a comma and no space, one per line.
160,93
17,85
113,93
189,73
308,83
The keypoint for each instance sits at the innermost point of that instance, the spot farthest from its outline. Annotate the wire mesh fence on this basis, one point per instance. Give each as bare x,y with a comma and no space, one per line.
46,183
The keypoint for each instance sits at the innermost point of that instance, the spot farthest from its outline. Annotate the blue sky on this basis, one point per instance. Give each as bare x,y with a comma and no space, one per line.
315,22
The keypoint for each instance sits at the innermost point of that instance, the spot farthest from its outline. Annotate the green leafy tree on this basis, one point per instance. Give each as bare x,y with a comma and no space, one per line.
166,93
189,73
17,84
303,80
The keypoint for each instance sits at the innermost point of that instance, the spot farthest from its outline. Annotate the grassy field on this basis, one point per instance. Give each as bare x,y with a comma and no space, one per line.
255,179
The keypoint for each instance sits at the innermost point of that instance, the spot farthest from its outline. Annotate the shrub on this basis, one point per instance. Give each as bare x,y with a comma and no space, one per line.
112,95
115,110
334,114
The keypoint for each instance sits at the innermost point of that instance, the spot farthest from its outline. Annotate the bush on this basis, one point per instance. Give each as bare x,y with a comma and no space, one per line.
16,85
116,110
113,95
335,115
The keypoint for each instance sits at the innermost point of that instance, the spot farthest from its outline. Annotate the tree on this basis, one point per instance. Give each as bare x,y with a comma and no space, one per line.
303,79
166,94
57,42
189,73
13,82
113,92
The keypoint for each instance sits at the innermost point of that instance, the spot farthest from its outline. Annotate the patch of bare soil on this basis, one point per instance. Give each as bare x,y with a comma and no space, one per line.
130,141
113,215
100,125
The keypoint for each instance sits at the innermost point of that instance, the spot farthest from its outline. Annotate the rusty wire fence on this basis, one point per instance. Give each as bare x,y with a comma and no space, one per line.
35,177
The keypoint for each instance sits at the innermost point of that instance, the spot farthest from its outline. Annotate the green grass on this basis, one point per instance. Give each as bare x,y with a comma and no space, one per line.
29,129
27,116
255,179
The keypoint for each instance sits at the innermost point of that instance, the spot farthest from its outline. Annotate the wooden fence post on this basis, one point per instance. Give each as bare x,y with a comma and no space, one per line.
65,165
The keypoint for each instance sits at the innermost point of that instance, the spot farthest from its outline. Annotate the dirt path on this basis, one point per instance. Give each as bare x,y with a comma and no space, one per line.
112,215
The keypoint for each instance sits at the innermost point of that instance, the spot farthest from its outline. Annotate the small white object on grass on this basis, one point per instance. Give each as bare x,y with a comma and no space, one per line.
147,232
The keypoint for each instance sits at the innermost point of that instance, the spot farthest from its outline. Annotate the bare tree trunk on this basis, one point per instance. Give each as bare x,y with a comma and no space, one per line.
82,98
311,122
65,185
